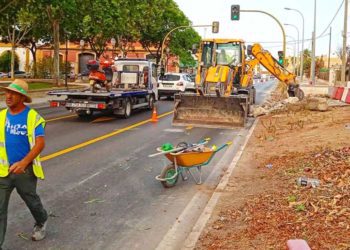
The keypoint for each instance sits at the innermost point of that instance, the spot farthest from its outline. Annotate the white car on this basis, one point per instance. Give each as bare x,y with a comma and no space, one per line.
172,83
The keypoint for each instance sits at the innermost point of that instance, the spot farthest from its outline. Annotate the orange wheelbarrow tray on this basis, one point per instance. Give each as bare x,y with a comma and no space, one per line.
185,161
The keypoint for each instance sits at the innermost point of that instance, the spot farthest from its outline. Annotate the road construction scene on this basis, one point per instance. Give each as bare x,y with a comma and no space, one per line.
174,125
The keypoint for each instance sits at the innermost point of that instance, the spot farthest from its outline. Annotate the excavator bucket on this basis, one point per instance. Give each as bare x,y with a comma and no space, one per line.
210,111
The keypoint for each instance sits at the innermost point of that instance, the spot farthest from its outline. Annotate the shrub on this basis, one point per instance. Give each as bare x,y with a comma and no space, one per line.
45,68
5,61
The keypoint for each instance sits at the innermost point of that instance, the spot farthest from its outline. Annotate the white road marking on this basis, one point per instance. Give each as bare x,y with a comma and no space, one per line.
174,130
88,178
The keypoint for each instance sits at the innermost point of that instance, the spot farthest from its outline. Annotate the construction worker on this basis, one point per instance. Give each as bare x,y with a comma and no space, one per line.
21,141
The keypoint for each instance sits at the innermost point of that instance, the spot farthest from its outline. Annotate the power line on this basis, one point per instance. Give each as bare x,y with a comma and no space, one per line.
320,36
332,19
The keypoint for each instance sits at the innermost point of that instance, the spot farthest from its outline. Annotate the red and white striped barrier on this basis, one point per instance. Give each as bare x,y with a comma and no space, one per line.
340,93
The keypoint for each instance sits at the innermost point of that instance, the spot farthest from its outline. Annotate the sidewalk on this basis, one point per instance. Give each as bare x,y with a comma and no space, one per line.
40,98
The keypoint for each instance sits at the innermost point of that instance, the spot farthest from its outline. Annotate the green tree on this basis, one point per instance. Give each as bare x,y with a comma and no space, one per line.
307,62
54,12
163,16
97,21
14,26
181,45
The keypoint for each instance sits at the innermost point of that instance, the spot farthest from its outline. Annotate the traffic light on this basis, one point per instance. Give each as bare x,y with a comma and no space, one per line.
280,57
235,12
215,27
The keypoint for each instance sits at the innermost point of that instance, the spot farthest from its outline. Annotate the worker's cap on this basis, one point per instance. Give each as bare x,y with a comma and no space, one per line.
21,87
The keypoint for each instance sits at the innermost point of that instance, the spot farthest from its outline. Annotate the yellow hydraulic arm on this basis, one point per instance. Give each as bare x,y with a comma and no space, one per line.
271,64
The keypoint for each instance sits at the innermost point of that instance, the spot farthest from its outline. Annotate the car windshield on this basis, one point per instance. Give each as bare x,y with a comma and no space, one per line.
169,78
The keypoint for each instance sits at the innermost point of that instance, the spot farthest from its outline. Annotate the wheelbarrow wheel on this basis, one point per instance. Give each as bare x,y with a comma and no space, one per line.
168,172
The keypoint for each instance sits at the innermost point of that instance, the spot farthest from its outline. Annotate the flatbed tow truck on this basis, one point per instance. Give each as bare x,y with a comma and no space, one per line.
134,86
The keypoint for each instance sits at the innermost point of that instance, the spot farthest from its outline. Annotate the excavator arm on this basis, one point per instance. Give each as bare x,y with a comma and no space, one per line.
271,64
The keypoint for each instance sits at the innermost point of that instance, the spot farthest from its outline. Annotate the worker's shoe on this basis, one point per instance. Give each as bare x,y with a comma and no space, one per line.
39,231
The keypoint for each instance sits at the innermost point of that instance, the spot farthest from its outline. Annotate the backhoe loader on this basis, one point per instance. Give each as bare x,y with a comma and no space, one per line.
224,84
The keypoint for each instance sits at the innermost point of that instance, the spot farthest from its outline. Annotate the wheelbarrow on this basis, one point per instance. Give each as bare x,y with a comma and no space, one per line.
185,160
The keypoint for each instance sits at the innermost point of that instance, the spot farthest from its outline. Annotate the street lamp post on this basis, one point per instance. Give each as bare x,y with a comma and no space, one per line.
81,43
113,42
66,62
279,24
292,25
302,45
167,35
313,61
294,58
66,75
167,51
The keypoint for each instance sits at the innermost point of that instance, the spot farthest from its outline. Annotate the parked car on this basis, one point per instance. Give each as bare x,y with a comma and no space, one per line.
19,74
264,78
171,83
257,76
3,75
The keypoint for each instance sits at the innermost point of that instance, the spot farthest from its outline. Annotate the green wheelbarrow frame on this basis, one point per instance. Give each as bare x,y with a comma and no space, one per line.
170,173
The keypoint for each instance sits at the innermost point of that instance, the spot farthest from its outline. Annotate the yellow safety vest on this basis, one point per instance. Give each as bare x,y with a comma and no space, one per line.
33,120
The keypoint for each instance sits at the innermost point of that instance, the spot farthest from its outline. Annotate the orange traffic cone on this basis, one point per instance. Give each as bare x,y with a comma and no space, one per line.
154,115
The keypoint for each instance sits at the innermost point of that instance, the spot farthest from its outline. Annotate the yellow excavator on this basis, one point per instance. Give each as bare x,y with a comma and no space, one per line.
224,84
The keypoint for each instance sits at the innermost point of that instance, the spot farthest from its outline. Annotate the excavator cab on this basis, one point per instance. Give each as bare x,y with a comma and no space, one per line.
220,77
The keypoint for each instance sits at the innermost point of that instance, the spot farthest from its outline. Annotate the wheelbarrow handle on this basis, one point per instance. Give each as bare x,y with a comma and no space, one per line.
201,142
168,151
223,146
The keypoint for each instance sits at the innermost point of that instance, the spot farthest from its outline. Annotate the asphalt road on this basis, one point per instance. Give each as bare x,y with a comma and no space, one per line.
100,186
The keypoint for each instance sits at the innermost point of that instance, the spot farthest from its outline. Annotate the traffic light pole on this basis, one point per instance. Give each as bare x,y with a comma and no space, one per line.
167,35
281,26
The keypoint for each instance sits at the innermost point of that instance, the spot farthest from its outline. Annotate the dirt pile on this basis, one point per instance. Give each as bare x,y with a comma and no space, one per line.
262,206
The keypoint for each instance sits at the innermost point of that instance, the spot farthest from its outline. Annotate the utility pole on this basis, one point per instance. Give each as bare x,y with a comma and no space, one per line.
345,31
329,49
313,64
282,29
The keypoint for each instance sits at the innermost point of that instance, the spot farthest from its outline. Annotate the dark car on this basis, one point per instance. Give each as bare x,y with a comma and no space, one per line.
19,74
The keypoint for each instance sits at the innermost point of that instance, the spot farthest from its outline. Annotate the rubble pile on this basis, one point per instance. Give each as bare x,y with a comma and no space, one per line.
280,103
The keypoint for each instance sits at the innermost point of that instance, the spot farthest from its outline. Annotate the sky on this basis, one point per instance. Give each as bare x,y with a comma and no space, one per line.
257,27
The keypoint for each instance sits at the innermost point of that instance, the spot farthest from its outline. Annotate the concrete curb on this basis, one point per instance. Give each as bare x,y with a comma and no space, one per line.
193,237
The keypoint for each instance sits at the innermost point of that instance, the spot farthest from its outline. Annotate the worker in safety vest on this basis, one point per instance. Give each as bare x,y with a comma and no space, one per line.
21,141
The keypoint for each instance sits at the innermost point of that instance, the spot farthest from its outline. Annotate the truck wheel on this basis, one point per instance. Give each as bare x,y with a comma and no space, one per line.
151,103
168,172
127,108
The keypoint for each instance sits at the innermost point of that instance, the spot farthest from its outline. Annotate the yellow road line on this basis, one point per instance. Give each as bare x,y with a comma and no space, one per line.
97,139
60,118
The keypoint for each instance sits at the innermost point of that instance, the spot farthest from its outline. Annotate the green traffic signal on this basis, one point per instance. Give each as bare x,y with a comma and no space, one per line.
280,57
235,12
